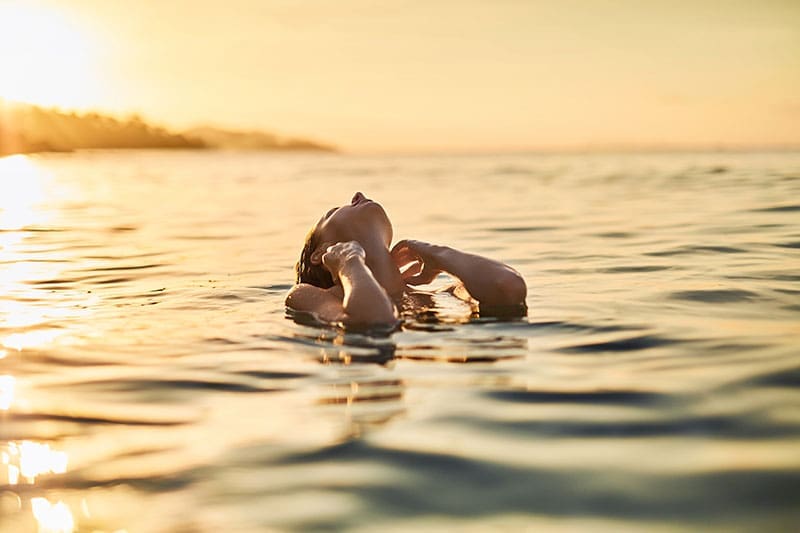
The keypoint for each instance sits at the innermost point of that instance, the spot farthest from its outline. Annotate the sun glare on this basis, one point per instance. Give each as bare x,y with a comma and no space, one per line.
52,517
6,392
46,58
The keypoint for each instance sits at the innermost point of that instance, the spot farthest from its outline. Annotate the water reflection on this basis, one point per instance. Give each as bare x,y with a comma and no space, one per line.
364,384
352,349
30,339
6,392
366,387
25,187
36,301
52,517
24,462
32,459
26,209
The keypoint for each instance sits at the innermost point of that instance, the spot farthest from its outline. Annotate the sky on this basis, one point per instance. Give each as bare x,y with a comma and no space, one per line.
435,75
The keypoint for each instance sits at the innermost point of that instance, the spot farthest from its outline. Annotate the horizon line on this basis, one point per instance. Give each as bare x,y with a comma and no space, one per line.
399,150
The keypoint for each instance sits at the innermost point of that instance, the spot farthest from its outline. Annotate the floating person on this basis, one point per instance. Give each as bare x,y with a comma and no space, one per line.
349,276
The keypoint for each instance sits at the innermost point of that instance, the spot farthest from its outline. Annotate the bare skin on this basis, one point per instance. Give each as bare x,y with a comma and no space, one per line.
371,278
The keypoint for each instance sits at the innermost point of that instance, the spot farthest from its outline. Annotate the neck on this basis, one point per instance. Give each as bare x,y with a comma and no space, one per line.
380,262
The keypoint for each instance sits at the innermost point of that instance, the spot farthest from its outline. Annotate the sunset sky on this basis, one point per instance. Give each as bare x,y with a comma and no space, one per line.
422,75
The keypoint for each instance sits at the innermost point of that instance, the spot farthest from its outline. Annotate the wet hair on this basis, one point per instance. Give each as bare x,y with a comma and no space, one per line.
308,272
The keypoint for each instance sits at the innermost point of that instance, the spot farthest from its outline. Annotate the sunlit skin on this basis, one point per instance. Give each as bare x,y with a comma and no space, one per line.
370,278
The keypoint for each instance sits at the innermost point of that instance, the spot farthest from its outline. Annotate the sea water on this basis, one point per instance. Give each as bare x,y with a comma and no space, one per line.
150,380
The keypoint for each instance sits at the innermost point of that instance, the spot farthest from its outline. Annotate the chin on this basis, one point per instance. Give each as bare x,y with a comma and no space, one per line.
378,219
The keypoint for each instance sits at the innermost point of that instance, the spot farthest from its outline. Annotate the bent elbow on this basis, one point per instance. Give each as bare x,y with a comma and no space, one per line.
511,289
380,321
378,315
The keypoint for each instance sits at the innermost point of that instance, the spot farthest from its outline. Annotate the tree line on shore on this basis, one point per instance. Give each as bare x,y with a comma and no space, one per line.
28,129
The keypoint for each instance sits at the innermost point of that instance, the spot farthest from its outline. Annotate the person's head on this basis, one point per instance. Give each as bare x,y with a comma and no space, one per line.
361,220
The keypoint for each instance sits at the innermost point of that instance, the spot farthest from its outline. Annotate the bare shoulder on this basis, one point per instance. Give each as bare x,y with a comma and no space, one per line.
325,303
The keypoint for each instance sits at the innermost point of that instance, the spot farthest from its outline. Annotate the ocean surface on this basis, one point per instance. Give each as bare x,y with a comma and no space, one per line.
150,380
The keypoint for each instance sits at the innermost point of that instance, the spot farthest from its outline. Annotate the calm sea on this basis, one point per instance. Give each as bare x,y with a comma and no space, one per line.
151,382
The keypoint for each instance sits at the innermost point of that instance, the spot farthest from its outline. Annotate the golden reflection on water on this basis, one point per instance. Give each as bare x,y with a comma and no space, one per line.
6,392
26,208
32,459
24,186
24,462
28,188
29,211
52,517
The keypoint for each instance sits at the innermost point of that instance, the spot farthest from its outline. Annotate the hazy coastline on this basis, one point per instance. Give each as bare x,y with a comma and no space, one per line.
26,129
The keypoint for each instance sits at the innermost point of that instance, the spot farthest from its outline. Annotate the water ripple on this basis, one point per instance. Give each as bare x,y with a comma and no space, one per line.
598,397
705,249
640,342
715,296
779,209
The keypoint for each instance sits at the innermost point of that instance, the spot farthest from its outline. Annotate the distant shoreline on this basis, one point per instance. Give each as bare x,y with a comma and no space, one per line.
29,129
623,150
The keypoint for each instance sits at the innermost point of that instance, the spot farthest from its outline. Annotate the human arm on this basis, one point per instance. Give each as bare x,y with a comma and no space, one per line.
357,299
490,282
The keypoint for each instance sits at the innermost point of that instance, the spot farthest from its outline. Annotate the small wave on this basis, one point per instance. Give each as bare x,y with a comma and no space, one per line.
33,229
147,483
715,296
265,374
48,359
278,287
575,326
778,209
108,257
789,378
135,385
615,235
202,237
642,342
221,340
441,484
683,250
113,281
92,420
123,268
786,277
511,170
34,261
449,357
226,296
744,427
634,269
520,229
57,282
604,397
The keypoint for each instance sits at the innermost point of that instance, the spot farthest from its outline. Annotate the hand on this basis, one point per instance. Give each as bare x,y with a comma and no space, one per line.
419,260
339,254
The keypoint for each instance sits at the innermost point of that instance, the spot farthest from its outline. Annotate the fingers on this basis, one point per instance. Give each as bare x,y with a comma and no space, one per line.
408,246
404,257
399,245
336,255
401,249
423,278
425,275
413,269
